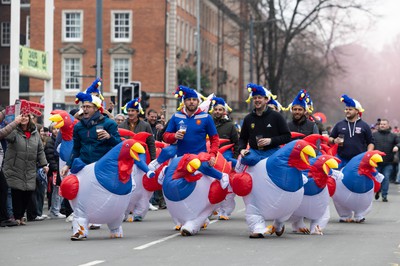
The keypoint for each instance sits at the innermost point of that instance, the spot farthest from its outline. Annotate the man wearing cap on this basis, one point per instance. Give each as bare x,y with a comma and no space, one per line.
353,135
90,145
263,129
136,125
300,123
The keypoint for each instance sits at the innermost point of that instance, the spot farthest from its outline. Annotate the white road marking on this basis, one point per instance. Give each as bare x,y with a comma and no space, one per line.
156,242
169,237
95,262
163,239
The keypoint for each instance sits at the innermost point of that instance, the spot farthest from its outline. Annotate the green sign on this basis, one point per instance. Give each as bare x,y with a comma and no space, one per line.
33,63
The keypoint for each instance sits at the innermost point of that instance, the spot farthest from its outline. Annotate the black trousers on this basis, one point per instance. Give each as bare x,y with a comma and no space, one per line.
20,201
3,197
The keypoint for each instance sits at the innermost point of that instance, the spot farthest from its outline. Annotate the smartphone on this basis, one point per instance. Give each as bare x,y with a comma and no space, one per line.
113,99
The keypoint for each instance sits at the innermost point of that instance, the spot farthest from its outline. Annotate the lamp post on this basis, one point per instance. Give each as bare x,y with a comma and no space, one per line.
198,39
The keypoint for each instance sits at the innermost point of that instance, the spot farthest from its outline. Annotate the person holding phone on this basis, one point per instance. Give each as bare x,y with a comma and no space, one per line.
352,134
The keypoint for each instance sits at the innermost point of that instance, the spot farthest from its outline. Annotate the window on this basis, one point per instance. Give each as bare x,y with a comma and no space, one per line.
72,30
6,1
72,71
121,28
28,31
120,71
5,76
5,34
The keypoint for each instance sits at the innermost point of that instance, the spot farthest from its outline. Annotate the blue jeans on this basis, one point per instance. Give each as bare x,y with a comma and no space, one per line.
56,200
386,170
398,174
9,204
254,156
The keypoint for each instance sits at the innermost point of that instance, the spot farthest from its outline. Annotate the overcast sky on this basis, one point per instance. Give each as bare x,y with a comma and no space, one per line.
386,27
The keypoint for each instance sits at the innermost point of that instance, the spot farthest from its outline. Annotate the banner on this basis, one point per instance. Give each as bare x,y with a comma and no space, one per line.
33,63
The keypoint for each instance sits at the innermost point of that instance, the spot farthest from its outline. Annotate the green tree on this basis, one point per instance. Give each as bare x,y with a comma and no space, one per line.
188,77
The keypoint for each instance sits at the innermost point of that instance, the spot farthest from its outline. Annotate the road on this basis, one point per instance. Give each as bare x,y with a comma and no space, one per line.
153,242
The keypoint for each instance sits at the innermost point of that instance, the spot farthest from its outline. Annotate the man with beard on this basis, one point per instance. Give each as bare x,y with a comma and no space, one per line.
188,130
225,127
91,144
189,127
136,125
352,134
226,130
263,129
387,142
300,123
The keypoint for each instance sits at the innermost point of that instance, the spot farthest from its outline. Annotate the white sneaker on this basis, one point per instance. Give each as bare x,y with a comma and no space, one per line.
57,216
152,207
38,218
70,218
44,216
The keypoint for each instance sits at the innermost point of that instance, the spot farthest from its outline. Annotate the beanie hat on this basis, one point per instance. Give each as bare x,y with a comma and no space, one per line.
84,97
94,88
255,89
349,102
219,101
133,104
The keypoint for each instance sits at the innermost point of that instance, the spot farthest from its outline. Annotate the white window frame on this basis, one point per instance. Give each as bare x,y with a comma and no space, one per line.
113,66
64,38
4,77
121,40
6,2
64,71
4,35
28,31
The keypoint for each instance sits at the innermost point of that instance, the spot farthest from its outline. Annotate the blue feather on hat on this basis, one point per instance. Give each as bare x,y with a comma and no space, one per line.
133,104
255,89
349,102
219,101
84,97
94,88
275,103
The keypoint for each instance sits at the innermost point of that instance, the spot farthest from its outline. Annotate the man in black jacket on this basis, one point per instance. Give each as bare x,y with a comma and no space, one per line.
389,143
225,127
300,123
263,129
226,130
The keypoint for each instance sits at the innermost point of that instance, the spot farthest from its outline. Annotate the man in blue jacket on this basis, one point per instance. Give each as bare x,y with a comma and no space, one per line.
94,135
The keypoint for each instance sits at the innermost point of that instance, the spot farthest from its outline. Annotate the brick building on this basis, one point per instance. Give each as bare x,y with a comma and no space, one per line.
136,42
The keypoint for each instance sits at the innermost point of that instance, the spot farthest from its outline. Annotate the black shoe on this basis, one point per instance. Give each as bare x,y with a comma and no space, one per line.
256,235
384,199
9,223
377,195
162,207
